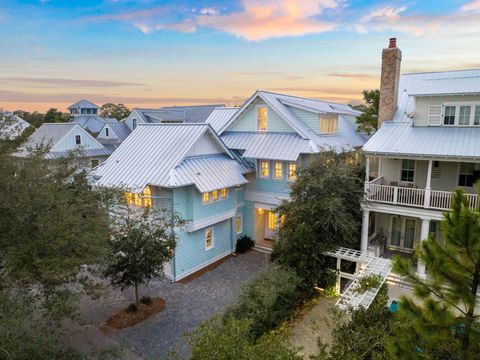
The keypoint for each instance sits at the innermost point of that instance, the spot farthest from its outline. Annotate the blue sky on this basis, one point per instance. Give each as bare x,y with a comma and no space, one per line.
154,53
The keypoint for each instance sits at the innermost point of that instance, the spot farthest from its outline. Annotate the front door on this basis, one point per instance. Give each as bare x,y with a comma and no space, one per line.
402,233
270,224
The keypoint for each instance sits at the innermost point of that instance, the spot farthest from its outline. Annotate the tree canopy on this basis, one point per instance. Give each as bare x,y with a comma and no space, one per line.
368,120
116,111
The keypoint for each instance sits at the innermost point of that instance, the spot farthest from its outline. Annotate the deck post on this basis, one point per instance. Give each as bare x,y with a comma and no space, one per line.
423,236
367,173
364,239
428,188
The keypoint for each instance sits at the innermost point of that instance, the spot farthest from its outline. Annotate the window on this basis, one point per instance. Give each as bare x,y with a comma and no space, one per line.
137,200
78,139
476,119
449,115
261,118
408,170
128,197
292,171
278,170
328,123
134,124
95,163
272,220
205,197
264,168
147,196
224,193
208,238
215,195
94,111
238,224
466,177
107,132
464,117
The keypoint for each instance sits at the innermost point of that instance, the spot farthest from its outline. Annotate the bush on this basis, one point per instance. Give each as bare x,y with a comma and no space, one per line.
146,300
267,300
243,244
229,339
132,308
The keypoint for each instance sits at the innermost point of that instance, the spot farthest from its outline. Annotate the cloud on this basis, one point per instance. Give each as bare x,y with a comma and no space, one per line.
69,83
473,5
209,11
359,76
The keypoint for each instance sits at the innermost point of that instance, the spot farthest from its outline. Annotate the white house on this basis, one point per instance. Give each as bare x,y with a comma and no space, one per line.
427,145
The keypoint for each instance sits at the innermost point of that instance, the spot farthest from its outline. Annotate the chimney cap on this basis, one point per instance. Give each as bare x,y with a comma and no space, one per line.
392,43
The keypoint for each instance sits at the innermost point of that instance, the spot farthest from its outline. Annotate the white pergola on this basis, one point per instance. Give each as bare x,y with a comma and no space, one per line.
366,265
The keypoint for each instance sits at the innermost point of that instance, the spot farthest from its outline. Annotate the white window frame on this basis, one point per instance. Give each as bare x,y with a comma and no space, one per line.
275,170
260,169
241,224
107,132
459,172
330,117
80,139
209,198
292,178
134,124
227,193
414,171
213,238
458,104
266,116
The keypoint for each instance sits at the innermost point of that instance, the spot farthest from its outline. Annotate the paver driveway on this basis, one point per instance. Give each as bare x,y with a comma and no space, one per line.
187,305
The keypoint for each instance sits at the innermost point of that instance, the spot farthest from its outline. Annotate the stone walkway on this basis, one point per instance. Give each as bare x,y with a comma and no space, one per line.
187,305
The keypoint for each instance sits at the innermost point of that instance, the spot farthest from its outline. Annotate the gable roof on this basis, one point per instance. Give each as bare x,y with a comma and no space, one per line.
13,127
92,123
120,129
195,113
404,140
220,116
153,116
151,154
83,104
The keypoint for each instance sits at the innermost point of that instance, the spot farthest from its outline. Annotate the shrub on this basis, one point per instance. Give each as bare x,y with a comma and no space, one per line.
243,244
146,300
267,300
229,339
132,308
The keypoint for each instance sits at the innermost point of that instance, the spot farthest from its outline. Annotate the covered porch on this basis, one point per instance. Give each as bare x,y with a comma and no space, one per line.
266,224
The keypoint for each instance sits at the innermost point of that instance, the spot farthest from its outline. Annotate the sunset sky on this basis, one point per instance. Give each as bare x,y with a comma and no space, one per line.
150,53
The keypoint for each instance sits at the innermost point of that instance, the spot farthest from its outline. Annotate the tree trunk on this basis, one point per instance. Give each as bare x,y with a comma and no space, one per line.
137,301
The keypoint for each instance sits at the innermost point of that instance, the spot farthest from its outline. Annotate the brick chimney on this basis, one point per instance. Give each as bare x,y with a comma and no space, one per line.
391,59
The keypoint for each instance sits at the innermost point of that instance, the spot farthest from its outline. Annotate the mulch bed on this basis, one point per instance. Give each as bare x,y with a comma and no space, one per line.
125,318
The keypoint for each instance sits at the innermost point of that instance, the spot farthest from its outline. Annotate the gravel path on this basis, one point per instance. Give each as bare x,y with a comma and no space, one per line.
187,305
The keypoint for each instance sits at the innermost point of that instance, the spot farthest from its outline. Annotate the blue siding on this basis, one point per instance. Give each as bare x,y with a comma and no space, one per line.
203,211
248,219
248,120
191,255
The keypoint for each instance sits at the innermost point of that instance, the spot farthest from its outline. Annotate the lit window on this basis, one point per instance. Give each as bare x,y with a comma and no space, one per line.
215,195
466,177
278,173
272,220
264,168
95,163
476,119
78,140
208,238
282,220
408,170
206,197
238,224
147,196
449,115
107,132
128,197
292,171
137,200
464,116
328,123
262,118
224,193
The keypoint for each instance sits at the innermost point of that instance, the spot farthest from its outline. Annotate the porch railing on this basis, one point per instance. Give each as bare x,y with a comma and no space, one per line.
399,195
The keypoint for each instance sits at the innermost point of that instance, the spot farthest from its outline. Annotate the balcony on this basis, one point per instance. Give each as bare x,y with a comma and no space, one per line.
412,196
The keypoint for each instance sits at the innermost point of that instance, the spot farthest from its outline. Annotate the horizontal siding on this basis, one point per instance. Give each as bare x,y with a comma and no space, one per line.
68,143
248,120
422,104
203,211
190,252
248,227
309,118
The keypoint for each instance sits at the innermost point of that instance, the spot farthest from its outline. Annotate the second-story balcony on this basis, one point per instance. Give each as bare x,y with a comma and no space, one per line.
410,195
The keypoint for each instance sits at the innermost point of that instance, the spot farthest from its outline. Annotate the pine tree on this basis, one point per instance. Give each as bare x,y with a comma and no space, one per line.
446,324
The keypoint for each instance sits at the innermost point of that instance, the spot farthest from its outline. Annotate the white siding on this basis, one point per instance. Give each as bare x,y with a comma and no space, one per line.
206,145
422,104
68,142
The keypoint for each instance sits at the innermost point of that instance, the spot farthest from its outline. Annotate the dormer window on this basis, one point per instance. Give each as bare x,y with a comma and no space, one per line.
262,118
461,114
328,123
449,115
78,140
107,132
134,124
476,119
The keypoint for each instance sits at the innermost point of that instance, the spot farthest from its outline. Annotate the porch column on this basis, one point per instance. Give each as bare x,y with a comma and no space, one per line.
428,185
364,239
423,236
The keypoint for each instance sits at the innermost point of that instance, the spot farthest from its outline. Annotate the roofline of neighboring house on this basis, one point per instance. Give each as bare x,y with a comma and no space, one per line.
439,72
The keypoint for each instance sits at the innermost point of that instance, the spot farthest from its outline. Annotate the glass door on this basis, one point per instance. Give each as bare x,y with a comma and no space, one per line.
402,234
271,224
409,234
396,233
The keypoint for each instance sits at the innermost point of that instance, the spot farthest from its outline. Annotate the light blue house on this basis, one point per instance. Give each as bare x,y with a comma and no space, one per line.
227,176
86,114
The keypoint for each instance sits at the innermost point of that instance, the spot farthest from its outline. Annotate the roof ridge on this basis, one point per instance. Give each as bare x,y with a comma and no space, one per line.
173,124
303,97
440,72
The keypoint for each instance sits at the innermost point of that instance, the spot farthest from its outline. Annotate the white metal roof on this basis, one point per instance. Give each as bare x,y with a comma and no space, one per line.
404,140
195,113
81,153
220,116
120,129
49,134
13,127
209,173
92,123
446,83
83,104
150,155
268,145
